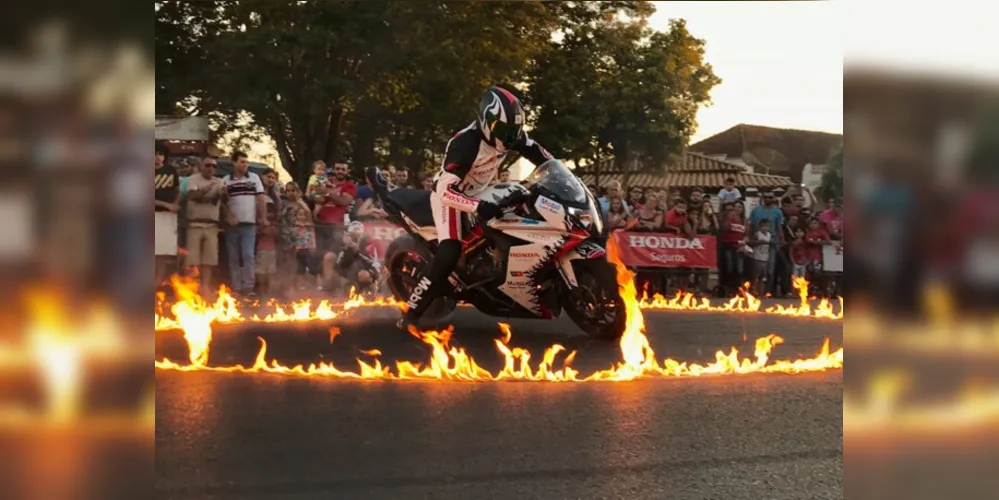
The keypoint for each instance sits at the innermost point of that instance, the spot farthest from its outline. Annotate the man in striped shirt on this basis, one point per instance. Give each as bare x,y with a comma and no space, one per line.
245,210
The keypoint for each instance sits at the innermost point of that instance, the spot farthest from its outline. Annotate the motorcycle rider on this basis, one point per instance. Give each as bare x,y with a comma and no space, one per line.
471,161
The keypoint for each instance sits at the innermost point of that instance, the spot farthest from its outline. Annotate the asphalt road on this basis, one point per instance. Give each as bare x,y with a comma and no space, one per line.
253,436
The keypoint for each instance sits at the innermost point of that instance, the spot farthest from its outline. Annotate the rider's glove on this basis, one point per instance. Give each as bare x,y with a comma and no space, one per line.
488,210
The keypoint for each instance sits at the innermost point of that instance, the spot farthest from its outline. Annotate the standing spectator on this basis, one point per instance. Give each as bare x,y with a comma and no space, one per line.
733,238
428,183
167,198
205,193
592,188
635,198
617,217
245,209
265,261
400,178
729,193
662,198
186,167
784,268
298,237
804,218
709,224
613,190
815,238
787,206
701,224
799,254
338,193
696,201
648,218
770,212
832,220
675,220
272,189
645,219
760,243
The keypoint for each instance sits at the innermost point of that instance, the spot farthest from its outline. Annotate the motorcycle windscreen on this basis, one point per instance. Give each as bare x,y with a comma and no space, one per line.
556,178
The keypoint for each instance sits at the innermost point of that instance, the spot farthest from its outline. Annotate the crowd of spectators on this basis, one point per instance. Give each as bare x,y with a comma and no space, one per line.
279,239
782,236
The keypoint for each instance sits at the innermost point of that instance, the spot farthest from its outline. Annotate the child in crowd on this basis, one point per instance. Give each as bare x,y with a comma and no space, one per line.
761,255
799,254
815,238
265,262
317,178
298,237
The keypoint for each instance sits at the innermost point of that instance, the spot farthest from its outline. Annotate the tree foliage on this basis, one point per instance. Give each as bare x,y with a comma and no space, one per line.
832,179
378,82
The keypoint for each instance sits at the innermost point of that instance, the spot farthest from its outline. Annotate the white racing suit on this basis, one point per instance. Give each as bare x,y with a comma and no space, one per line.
470,165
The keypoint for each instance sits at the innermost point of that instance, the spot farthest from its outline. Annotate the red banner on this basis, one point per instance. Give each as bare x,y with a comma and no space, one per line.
666,250
381,234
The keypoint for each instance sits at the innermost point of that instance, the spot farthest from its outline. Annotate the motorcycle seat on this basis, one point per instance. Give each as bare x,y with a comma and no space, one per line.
415,203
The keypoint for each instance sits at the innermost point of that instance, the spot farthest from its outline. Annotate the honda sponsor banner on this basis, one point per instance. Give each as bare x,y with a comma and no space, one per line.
666,250
381,234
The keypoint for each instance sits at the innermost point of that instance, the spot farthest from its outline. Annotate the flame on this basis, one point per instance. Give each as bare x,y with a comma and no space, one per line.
746,302
448,362
882,410
58,343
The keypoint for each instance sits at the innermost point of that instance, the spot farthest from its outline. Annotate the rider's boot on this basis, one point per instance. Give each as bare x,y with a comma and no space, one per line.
433,282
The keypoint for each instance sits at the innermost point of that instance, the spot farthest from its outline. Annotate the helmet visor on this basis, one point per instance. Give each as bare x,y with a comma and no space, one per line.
506,133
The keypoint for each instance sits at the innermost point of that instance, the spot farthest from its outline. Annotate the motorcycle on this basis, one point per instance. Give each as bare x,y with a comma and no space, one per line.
543,256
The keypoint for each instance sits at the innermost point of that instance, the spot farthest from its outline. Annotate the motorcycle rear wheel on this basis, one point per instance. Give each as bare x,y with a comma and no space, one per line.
405,259
595,305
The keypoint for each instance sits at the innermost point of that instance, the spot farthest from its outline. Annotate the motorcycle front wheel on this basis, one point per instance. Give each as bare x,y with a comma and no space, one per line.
595,305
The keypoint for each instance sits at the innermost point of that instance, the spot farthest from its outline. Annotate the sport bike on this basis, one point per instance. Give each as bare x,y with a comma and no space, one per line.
543,256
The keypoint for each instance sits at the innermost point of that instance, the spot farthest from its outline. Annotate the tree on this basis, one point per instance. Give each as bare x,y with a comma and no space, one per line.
982,163
379,82
327,80
832,179
616,87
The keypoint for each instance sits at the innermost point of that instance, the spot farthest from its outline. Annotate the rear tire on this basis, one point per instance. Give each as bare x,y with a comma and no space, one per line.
405,260
595,306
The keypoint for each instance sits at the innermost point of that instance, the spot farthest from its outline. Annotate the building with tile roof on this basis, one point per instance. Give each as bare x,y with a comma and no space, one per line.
697,170
776,151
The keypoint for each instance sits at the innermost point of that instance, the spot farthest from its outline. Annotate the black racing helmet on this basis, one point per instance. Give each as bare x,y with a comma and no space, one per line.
501,118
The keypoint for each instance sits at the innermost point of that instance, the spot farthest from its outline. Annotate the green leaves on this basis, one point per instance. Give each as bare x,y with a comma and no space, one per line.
612,87
832,179
389,82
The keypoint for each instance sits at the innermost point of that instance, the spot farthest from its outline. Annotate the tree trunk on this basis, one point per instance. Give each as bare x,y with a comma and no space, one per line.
333,135
288,159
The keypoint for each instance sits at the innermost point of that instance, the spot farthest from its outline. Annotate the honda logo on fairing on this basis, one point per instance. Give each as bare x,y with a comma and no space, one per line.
531,255
421,287
639,241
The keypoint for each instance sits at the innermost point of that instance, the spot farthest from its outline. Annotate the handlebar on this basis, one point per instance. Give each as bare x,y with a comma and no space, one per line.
514,199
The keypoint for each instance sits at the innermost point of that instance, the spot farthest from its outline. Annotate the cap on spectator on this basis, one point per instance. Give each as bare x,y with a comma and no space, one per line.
161,149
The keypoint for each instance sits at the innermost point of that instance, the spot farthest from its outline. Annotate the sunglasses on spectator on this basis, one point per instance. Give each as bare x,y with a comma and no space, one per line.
210,165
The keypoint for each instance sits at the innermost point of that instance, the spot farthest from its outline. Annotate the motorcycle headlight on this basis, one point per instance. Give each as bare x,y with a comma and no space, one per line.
589,218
